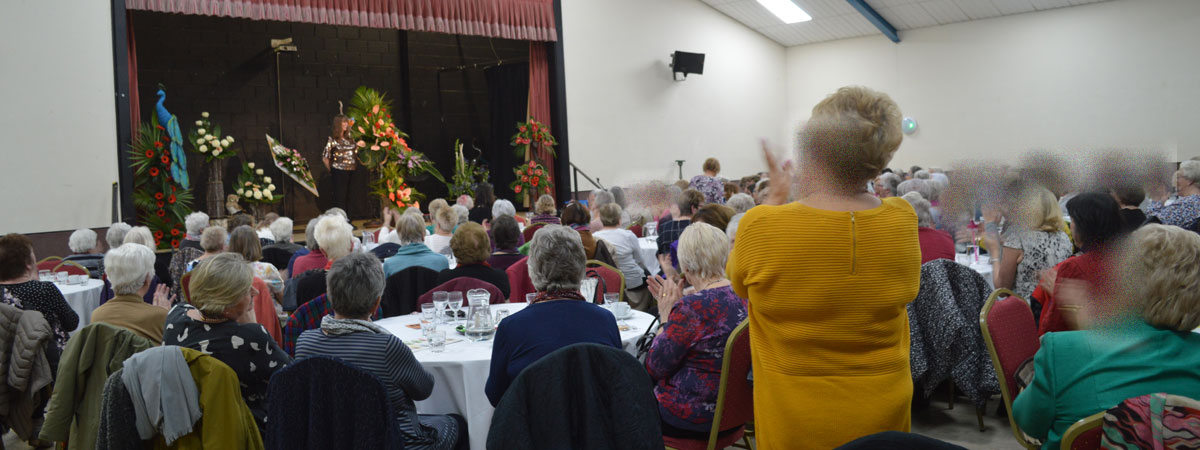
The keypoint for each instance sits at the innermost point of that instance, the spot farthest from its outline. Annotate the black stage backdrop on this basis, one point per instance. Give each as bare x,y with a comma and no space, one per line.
508,86
225,67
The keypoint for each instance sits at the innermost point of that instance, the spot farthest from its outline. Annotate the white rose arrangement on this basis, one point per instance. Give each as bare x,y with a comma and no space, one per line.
209,142
255,188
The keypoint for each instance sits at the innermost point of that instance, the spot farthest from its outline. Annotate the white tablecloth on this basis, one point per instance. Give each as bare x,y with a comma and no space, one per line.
983,266
648,246
461,371
83,298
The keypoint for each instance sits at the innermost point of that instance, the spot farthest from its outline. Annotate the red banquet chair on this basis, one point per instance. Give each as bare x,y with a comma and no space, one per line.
49,263
529,230
735,397
463,284
612,280
1011,337
71,268
519,283
1084,434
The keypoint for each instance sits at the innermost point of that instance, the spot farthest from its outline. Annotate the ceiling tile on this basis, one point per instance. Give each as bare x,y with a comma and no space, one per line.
1007,7
944,11
913,16
1050,4
978,9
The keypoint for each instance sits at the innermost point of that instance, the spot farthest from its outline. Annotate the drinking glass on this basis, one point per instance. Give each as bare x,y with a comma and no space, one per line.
437,341
44,275
427,327
530,296
610,298
427,312
501,315
368,238
62,277
440,298
650,229
456,299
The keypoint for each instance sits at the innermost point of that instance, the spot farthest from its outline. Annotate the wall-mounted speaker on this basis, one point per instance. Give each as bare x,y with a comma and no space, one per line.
687,63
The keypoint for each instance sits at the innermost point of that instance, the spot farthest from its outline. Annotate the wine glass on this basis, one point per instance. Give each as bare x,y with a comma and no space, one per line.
440,298
610,298
456,299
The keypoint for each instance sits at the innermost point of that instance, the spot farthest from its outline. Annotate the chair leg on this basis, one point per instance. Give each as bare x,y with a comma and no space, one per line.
979,416
951,395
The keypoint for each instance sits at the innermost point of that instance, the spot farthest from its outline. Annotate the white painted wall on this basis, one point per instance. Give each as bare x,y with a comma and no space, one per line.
1115,75
628,121
57,116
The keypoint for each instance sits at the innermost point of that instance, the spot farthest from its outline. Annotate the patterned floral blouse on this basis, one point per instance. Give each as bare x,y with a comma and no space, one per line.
1182,213
341,153
712,188
1040,250
685,358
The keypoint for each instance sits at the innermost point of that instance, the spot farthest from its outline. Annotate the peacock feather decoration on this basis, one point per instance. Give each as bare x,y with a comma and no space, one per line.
171,123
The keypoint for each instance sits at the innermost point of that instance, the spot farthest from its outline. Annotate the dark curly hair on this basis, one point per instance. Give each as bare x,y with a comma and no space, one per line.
16,255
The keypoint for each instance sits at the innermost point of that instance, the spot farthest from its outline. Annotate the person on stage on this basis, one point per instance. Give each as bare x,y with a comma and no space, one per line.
341,159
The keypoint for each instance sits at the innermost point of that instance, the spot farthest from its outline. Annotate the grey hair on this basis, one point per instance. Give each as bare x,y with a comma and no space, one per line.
673,193
703,251
1190,170
335,236
463,213
915,185
740,202
353,284
436,204
213,239
610,214
921,207
338,211
890,181
281,228
140,235
556,259
128,266
82,240
196,223
115,236
922,175
602,197
731,229
310,239
503,207
410,228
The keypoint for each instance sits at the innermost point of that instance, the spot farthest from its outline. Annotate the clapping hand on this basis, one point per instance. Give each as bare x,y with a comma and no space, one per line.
780,175
162,297
666,292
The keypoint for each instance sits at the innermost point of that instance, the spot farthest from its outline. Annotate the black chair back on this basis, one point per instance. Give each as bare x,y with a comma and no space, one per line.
403,288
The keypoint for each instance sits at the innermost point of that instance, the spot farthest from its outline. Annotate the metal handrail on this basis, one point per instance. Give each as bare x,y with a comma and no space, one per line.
585,176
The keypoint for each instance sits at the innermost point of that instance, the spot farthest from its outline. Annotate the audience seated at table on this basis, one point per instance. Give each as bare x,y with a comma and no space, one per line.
355,284
935,243
685,359
444,222
506,235
86,251
1185,210
1032,240
627,253
220,321
471,249
557,317
544,211
831,330
281,228
130,270
410,233
213,240
577,217
1147,348
19,276
244,241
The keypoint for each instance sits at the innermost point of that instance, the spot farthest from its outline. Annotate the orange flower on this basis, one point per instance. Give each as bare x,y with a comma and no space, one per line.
174,232
149,153
392,196
161,213
165,159
174,243
375,109
171,199
154,171
158,234
157,144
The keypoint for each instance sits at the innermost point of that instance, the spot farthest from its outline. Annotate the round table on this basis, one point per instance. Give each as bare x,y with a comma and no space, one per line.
461,371
648,246
83,298
983,266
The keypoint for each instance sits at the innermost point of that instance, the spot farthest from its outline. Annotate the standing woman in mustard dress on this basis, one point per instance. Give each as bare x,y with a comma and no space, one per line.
828,278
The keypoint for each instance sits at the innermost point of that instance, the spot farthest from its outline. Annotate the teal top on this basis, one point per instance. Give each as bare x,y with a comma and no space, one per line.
415,254
1080,373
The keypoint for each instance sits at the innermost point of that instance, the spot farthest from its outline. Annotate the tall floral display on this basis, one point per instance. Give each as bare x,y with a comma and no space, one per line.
382,149
532,178
255,188
467,174
161,201
205,139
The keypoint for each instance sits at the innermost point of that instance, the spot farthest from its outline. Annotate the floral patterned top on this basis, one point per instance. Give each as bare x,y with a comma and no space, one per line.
1183,213
712,188
1041,250
341,153
685,358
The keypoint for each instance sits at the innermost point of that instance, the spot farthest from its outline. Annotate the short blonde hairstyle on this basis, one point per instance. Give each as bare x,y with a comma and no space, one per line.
436,205
1160,272
853,134
140,235
335,236
446,219
712,165
703,251
128,267
610,214
470,244
545,205
1038,210
213,239
220,282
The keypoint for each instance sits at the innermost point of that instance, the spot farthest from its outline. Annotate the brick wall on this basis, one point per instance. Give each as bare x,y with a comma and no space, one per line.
225,66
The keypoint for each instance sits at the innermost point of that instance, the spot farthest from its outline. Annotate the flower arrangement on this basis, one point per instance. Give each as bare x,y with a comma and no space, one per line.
533,132
206,139
379,141
532,179
293,164
254,187
392,187
466,174
161,201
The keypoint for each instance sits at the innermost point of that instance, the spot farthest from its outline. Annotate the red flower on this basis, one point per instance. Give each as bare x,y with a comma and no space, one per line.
165,159
158,195
524,179
517,189
174,232
161,213
547,189
157,144
160,127
154,171
522,128
537,172
172,188
174,242
149,153
534,181
157,243
159,204
535,127
158,234
532,164
171,199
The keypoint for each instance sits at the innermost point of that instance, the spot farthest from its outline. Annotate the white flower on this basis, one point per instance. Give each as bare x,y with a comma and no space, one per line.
199,141
267,179
201,131
216,152
199,123
229,138
269,196
271,187
259,171
204,114
210,138
240,190
224,143
257,195
251,165
247,194
203,148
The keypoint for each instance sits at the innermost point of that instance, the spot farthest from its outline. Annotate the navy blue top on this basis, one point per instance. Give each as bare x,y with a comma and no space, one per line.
541,328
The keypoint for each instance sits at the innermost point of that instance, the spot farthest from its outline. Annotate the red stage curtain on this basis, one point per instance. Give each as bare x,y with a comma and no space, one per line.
539,96
135,109
531,20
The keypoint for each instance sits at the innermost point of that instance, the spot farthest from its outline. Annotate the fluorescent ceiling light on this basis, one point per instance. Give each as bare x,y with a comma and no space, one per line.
785,10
